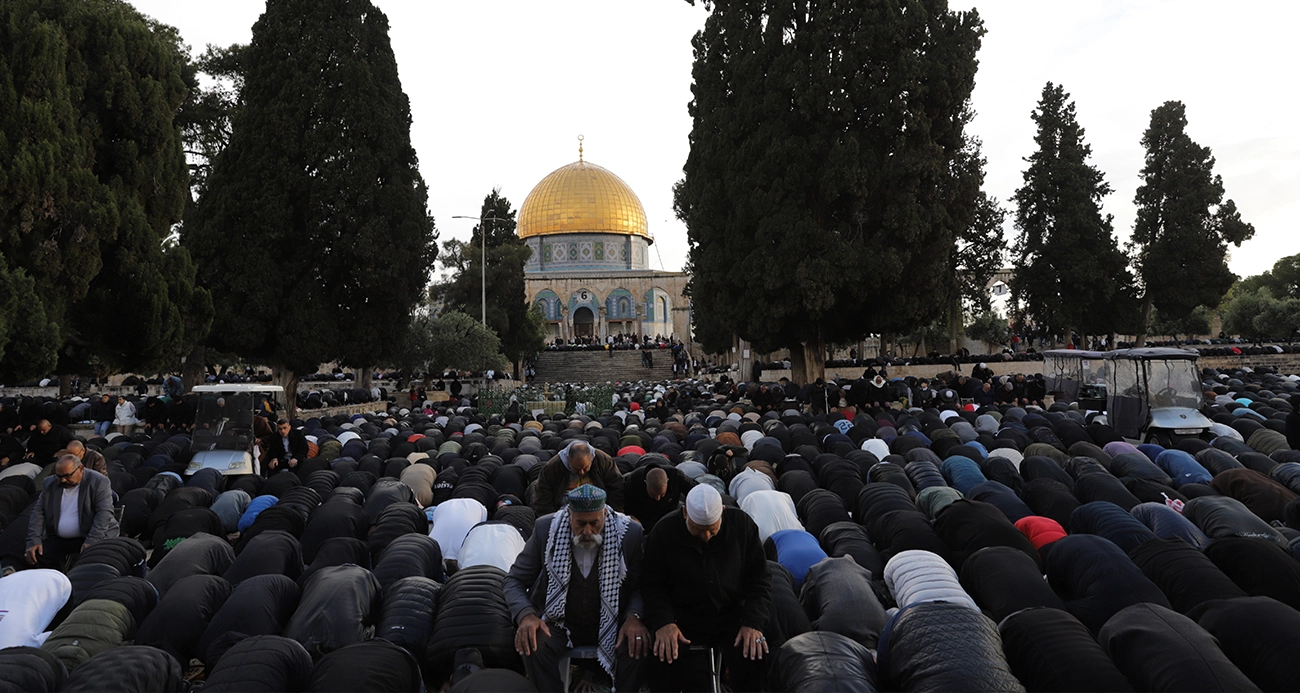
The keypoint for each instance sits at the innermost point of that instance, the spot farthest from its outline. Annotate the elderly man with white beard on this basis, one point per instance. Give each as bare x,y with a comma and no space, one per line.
577,584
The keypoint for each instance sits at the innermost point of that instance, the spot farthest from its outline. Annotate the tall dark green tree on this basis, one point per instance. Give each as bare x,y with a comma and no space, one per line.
1070,271
1183,224
92,180
508,311
29,341
313,233
206,115
979,253
826,172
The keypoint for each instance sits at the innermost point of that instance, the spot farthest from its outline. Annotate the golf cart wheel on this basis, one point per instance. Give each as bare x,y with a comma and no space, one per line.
1161,438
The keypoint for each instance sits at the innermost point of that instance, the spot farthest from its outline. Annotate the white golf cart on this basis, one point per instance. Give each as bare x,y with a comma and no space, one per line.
1155,395
223,425
1074,375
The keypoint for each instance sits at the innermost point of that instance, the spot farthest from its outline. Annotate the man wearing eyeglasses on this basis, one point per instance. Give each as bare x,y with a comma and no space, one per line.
74,510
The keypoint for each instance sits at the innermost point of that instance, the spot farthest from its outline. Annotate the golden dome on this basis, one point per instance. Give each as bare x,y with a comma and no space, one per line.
582,198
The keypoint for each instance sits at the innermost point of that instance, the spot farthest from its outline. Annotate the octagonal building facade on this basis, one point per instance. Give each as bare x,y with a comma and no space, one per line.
589,269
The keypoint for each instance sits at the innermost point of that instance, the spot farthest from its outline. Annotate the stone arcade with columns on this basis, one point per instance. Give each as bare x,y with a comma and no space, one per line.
589,271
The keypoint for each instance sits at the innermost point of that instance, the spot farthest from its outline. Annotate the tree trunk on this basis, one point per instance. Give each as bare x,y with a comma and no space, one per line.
954,326
365,378
1141,340
288,380
814,360
65,385
798,371
192,369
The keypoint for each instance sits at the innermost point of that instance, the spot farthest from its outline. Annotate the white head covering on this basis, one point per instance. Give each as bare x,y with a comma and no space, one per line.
704,505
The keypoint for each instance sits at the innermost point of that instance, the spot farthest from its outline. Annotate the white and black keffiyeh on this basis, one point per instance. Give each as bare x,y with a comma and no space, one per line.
559,564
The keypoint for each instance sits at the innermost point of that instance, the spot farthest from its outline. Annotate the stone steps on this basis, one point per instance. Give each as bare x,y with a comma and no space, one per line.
601,366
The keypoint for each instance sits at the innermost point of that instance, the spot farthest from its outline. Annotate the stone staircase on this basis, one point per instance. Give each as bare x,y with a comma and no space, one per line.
600,366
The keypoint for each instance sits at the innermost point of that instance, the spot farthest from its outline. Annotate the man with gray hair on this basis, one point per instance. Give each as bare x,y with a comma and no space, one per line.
577,464
90,458
74,510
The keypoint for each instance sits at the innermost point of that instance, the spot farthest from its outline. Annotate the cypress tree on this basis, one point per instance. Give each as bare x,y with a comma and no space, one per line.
1183,223
92,179
508,311
827,181
313,233
1070,272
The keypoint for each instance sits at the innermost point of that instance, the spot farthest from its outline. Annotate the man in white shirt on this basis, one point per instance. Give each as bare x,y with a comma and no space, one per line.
74,510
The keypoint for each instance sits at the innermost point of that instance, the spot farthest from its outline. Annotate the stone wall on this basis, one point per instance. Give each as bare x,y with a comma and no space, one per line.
855,372
1285,363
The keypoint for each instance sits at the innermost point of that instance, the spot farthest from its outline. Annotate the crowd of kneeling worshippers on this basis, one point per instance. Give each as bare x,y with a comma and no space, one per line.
948,547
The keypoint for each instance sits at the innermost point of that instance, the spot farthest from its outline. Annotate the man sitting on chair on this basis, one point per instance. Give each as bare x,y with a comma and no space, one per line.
576,581
707,584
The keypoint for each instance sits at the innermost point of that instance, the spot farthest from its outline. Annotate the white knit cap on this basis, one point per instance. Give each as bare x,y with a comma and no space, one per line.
704,505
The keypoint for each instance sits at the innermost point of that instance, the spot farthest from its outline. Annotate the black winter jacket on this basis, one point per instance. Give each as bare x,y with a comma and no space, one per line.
708,589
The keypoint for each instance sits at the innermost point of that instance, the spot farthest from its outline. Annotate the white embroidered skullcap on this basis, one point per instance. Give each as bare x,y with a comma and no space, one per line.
704,505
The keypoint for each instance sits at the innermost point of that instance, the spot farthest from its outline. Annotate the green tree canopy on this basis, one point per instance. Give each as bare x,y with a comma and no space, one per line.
1241,310
1183,223
313,233
1197,322
206,115
1279,318
92,180
508,311
450,340
28,339
1283,280
987,327
1070,272
980,253
829,171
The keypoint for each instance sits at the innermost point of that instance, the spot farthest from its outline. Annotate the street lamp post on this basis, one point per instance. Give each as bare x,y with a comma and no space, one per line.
483,266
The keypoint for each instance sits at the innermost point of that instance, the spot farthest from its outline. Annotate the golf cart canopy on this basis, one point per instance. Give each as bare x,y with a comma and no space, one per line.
1163,353
238,387
1075,373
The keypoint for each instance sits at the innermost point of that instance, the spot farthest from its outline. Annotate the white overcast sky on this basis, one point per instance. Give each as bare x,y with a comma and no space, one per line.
500,90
